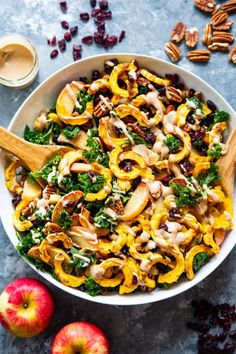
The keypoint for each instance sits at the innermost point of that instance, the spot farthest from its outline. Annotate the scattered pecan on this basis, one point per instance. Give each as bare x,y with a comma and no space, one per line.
232,55
173,94
219,47
48,191
205,5
207,33
225,26
229,6
118,207
30,208
199,55
103,107
223,37
173,52
191,37
135,128
178,32
218,16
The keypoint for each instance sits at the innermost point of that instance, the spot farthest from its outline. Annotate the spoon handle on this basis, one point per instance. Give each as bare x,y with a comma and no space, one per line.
15,145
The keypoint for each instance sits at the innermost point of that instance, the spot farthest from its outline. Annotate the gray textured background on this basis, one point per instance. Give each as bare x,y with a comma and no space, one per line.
149,329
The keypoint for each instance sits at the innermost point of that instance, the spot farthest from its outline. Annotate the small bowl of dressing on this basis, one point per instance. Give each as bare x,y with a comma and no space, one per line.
19,61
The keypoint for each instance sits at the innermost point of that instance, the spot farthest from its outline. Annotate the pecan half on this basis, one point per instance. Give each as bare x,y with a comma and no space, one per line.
199,55
225,26
191,37
223,37
205,5
229,6
135,128
178,32
103,107
232,55
219,47
118,207
173,94
48,191
173,52
207,33
218,16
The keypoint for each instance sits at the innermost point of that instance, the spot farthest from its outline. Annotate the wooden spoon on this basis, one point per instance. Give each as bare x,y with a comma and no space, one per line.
33,156
227,165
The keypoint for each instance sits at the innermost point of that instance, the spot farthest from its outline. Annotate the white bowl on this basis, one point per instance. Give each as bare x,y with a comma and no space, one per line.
43,98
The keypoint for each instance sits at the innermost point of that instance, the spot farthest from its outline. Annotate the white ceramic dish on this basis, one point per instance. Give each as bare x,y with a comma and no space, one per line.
43,98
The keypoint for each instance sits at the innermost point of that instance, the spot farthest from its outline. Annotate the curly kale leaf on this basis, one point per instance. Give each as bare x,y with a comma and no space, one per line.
142,90
221,116
80,260
172,143
92,288
215,151
83,98
64,220
194,103
199,260
71,131
40,137
46,170
211,175
93,151
184,195
104,221
87,186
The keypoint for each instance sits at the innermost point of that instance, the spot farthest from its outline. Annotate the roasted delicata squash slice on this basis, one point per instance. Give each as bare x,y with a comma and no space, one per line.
108,136
68,159
173,275
51,251
124,110
68,202
98,85
103,193
116,170
137,277
190,257
67,101
60,237
21,225
10,176
65,278
119,70
153,78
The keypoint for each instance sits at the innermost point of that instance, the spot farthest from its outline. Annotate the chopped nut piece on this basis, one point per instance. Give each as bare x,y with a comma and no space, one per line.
173,52
173,94
207,33
103,107
225,26
118,207
205,5
219,47
223,37
218,16
199,55
232,55
229,6
135,128
178,32
191,37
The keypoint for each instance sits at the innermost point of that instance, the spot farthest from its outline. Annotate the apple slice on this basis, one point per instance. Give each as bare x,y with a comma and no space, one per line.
68,202
31,190
137,202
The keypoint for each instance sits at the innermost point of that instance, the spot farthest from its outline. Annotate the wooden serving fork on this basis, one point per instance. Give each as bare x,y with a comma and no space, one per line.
227,165
33,156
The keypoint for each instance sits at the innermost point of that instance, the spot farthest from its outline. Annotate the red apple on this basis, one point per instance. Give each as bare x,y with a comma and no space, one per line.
80,337
26,307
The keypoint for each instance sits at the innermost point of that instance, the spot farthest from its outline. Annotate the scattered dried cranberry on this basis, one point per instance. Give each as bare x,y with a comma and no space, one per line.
15,201
76,52
74,31
229,348
163,227
54,40
150,137
126,166
93,3
96,75
62,45
101,29
186,166
54,54
121,36
225,323
67,36
87,39
84,16
191,92
166,180
95,12
199,327
211,105
174,78
232,334
109,65
221,336
64,24
111,40
103,4
92,176
107,14
98,38
134,280
175,213
161,90
115,130
63,6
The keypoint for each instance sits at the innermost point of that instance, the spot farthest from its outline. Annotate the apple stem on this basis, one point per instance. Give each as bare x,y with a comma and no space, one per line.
25,305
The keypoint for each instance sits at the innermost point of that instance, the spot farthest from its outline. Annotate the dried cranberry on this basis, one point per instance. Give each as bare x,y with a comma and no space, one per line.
87,39
76,52
186,166
163,227
84,16
121,36
63,6
111,40
175,213
232,334
48,41
135,280
98,38
191,92
109,65
103,4
166,180
174,78
96,75
101,29
64,24
220,336
15,201
150,138
54,40
229,348
62,45
95,12
190,119
93,3
91,176
115,130
107,14
211,105
74,31
54,54
225,323
67,36
162,91
128,167
199,327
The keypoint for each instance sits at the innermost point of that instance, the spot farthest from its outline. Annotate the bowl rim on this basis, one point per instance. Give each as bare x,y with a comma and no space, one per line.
144,298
